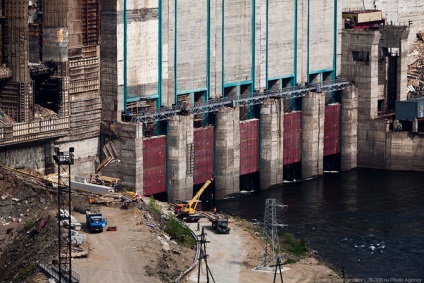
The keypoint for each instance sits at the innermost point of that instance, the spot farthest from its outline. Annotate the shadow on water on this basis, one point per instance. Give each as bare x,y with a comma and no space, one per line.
374,218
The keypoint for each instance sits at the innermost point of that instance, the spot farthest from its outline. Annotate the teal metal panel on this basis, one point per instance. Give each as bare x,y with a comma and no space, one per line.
295,42
222,47
321,71
308,42
282,77
124,18
208,51
175,50
231,84
252,87
192,91
335,41
267,44
159,100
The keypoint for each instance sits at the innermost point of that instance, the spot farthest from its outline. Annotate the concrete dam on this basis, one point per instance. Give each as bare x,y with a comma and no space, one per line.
165,95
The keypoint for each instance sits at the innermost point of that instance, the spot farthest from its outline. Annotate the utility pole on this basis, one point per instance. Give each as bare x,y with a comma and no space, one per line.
270,247
64,160
203,256
278,264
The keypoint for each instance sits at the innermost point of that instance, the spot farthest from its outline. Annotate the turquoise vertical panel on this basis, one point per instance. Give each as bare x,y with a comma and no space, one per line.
295,43
208,51
252,88
175,51
266,44
222,46
308,42
124,18
159,100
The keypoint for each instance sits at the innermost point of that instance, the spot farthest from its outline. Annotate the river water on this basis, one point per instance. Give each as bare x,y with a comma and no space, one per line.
368,221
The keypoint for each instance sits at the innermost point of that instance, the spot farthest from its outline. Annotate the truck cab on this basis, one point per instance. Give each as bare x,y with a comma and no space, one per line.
95,221
221,225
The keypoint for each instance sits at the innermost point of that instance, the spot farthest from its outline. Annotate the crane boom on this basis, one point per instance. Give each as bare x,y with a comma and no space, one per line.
198,194
188,209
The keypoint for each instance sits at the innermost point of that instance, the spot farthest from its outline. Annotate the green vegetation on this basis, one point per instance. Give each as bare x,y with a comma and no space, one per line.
28,224
294,246
26,271
179,231
154,206
176,229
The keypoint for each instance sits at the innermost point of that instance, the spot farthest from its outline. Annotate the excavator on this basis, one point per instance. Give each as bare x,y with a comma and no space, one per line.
187,210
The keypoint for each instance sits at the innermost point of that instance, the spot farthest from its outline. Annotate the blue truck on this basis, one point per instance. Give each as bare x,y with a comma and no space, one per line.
95,221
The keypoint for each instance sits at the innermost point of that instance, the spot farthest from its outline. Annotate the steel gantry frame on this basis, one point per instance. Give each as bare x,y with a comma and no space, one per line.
213,105
270,247
64,160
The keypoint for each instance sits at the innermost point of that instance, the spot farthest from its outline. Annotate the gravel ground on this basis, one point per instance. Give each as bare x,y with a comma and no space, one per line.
233,257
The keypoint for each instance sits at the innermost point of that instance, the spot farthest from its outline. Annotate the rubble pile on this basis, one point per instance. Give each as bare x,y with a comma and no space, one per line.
43,113
5,120
416,67
28,227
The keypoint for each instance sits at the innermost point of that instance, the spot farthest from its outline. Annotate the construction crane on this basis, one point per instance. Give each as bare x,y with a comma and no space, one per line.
188,210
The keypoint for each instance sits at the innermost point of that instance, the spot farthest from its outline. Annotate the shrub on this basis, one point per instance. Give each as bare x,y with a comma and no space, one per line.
293,245
154,206
179,231
28,224
26,271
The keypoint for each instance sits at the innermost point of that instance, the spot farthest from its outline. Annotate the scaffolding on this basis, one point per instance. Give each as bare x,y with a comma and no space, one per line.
64,160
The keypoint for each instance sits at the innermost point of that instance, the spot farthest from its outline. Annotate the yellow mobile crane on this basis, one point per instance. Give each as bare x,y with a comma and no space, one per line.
187,210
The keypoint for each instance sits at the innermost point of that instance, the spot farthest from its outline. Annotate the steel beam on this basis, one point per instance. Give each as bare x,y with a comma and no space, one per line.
213,105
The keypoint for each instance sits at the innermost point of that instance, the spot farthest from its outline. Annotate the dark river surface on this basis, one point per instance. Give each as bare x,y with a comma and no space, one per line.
369,221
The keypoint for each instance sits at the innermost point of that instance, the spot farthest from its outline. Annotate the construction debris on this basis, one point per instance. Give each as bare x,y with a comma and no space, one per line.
43,113
416,67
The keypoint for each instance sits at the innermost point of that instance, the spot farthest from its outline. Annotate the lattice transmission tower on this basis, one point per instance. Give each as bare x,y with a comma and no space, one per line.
270,246
64,160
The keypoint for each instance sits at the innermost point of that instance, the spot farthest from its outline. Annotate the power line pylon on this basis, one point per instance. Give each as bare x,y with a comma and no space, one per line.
270,246
203,256
64,160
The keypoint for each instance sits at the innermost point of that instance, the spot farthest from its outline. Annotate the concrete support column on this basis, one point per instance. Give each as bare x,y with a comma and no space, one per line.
128,150
349,129
313,113
180,172
227,146
272,117
139,172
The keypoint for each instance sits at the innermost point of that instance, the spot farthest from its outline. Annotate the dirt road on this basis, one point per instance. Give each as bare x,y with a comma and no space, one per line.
133,253
232,258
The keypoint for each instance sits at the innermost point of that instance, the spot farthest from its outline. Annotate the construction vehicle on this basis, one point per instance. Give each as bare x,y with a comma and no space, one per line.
187,210
219,223
95,221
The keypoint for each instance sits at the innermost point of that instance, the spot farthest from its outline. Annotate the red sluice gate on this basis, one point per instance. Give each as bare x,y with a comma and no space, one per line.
203,155
154,165
332,129
249,146
292,137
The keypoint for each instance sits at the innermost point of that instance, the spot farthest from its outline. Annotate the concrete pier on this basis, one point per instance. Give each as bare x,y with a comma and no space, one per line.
129,151
179,139
313,113
227,146
272,118
349,129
